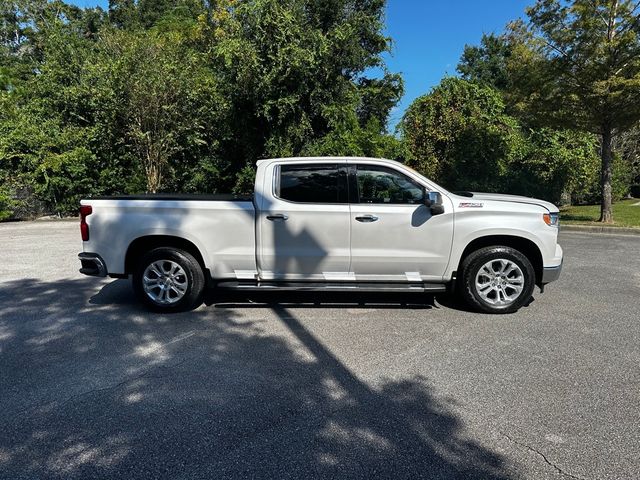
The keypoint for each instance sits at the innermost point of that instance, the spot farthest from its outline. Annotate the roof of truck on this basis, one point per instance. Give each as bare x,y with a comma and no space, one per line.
343,157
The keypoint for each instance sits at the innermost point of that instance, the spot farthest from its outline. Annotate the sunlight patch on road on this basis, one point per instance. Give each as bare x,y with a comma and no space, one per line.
158,350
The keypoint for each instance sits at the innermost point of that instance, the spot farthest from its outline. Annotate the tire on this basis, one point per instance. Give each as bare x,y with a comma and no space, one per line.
178,278
497,280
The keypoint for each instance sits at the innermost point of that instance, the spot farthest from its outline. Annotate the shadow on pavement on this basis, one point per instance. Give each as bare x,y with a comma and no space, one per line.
93,386
120,292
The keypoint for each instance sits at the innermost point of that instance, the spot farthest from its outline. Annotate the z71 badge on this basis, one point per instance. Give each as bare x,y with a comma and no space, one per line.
470,205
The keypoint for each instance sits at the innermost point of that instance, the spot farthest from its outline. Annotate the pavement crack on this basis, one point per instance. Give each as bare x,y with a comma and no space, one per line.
542,455
147,373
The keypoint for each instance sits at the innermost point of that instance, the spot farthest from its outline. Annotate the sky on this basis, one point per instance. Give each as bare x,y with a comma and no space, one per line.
429,37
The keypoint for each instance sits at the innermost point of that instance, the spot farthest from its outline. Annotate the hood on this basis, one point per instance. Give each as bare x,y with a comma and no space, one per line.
502,197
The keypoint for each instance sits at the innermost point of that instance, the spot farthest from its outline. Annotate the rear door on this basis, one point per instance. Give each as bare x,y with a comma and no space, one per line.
304,222
394,237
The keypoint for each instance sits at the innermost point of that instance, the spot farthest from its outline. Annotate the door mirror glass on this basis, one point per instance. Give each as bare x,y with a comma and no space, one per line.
434,202
434,198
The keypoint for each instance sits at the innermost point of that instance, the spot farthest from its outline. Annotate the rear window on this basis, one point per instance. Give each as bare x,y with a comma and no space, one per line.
322,183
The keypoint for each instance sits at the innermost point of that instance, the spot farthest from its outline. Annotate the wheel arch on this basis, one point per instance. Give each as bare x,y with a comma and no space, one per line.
148,242
527,247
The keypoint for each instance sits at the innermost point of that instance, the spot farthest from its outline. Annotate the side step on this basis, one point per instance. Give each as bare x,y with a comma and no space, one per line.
335,287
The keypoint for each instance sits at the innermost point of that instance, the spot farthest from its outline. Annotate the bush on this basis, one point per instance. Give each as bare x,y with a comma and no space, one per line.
635,190
245,181
622,177
65,178
461,136
556,165
6,204
18,200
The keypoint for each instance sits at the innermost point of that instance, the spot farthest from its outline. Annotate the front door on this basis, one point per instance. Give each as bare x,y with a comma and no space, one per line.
394,237
304,223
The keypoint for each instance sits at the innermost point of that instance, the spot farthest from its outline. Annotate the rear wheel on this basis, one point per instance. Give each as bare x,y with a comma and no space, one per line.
497,279
169,280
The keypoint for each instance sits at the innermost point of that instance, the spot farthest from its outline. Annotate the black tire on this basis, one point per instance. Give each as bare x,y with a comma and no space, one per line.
476,260
195,281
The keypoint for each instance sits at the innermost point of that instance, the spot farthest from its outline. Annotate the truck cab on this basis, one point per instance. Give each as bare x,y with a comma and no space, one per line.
349,220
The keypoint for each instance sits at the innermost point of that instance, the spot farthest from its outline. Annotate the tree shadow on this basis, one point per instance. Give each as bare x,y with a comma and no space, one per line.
577,217
96,387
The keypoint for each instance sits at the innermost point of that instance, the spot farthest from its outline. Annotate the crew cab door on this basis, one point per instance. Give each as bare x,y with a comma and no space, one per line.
303,222
394,236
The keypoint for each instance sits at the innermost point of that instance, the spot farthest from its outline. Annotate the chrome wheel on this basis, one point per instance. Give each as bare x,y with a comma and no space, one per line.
165,282
499,282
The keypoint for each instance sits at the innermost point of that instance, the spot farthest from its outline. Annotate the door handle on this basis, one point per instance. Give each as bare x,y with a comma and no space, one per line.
278,216
366,218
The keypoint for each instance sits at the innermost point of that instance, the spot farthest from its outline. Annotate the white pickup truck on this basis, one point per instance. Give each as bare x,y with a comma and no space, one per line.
326,224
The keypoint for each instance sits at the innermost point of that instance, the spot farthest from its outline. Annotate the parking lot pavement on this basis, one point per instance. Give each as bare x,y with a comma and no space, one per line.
307,386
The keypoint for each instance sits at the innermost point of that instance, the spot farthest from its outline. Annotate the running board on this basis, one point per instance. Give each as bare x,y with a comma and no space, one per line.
335,287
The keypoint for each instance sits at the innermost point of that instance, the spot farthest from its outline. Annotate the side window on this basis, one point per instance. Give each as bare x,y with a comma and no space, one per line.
312,184
382,185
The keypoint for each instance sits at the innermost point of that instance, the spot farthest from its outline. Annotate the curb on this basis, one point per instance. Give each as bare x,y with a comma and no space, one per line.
599,229
20,221
56,219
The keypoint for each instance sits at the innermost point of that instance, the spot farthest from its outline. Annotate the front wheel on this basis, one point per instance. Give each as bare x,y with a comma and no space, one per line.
497,279
169,280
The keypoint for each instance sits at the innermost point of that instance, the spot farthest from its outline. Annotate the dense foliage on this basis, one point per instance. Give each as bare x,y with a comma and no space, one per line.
182,95
576,65
462,135
185,95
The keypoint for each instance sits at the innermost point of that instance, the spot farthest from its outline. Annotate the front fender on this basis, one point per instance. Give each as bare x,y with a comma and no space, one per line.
477,225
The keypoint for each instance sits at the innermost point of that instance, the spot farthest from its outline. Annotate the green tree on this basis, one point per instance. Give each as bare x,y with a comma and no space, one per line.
587,76
44,135
504,62
628,145
556,165
183,95
460,135
378,96
293,73
123,14
559,164
167,103
487,63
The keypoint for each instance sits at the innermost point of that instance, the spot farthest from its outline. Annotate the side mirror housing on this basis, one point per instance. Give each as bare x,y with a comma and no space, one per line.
433,200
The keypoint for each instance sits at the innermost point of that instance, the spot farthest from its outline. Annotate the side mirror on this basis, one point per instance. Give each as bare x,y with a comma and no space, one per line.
433,200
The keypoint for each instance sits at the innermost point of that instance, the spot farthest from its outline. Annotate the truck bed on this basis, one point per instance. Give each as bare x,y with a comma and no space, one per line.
221,227
209,197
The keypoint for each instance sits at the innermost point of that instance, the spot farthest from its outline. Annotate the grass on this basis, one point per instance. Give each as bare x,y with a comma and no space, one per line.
625,214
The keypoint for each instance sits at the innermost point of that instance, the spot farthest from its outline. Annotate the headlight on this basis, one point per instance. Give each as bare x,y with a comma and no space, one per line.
551,219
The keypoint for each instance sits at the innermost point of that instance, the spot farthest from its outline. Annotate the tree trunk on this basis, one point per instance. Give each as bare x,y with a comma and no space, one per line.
606,215
153,168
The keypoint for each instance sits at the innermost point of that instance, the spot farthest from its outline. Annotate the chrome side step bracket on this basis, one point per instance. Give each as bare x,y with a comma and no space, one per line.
335,287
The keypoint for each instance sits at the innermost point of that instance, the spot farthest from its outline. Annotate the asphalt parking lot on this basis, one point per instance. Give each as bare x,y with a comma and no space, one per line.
307,386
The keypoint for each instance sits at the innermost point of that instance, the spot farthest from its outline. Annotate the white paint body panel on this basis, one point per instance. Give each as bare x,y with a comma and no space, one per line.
322,242
222,231
313,243
406,243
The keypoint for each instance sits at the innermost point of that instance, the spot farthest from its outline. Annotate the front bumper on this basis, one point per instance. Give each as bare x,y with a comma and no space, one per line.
551,274
92,265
